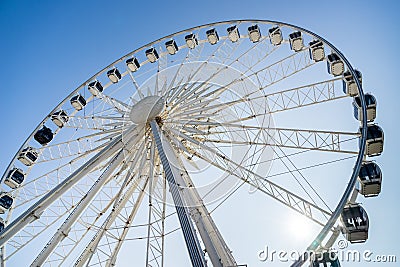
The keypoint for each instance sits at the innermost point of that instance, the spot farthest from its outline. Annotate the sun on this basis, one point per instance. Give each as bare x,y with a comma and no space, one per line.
300,227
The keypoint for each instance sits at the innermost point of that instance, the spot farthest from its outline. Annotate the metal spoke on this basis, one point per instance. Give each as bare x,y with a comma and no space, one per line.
303,96
257,181
94,122
224,64
119,203
35,211
94,211
327,141
216,247
127,224
66,226
299,97
76,147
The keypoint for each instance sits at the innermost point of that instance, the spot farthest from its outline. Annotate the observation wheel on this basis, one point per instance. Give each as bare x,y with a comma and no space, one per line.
148,156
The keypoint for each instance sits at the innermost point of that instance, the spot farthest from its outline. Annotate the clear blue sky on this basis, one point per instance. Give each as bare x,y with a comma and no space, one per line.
48,48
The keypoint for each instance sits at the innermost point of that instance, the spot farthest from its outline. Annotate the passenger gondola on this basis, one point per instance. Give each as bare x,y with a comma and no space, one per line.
191,40
254,33
212,36
2,225
296,41
15,178
316,50
133,64
233,33
6,202
335,65
171,47
275,35
355,223
44,135
114,75
370,178
374,142
60,118
95,87
78,102
28,156
349,84
152,54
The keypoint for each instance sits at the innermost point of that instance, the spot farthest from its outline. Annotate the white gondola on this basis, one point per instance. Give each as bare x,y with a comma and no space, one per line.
6,201
324,259
28,156
114,75
171,47
212,36
152,55
349,84
191,41
335,65
370,102
132,64
78,102
60,118
2,225
296,41
233,34
275,35
374,143
95,88
254,33
317,52
44,136
370,178
355,223
15,178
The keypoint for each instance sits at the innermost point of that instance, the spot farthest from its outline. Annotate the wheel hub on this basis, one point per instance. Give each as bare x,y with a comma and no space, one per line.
147,109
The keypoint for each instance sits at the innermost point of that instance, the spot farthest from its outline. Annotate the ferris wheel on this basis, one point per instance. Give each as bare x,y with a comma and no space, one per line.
157,142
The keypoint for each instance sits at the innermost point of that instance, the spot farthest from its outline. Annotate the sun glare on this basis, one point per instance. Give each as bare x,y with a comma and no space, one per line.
300,227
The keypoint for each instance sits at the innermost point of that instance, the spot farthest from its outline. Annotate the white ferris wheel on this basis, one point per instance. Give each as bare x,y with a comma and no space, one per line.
158,141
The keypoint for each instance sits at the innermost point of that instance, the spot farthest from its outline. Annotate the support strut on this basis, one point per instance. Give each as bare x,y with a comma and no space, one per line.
192,242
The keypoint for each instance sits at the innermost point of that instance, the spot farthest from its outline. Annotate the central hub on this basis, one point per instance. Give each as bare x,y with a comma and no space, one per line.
146,109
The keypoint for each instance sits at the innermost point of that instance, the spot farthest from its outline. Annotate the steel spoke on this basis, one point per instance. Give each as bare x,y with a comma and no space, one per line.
257,181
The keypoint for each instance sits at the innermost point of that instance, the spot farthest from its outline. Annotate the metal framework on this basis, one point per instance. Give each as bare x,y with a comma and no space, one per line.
172,176
175,110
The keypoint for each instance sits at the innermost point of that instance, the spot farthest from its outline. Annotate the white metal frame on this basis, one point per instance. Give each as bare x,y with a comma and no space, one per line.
112,126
